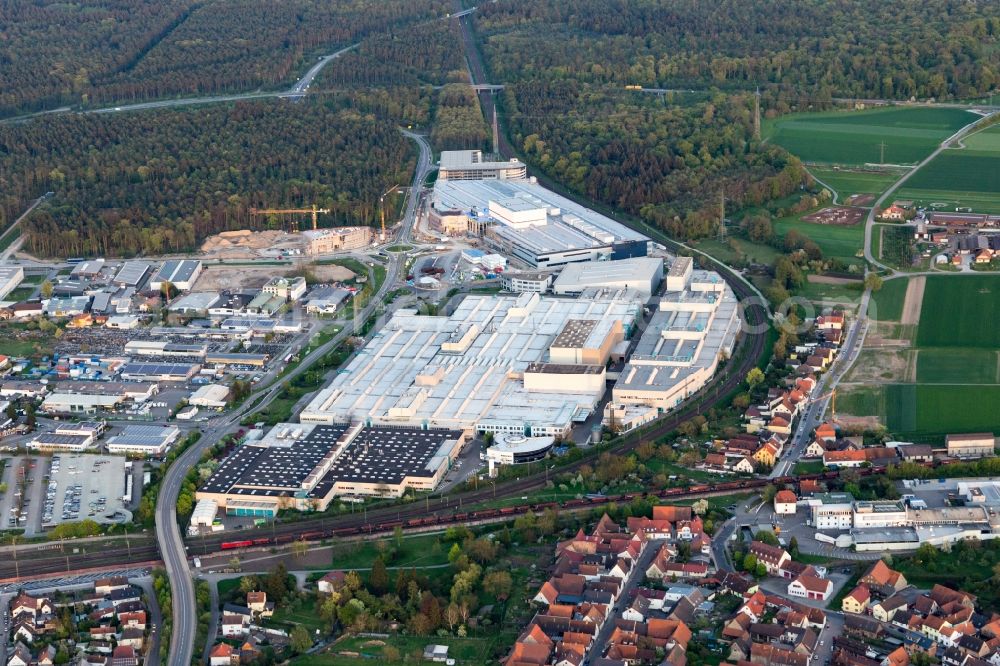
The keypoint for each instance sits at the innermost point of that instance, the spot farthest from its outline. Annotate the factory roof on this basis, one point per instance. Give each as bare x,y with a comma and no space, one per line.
569,225
82,399
105,388
195,301
149,436
132,273
564,369
89,267
157,369
309,459
635,271
886,535
575,333
404,376
177,270
520,444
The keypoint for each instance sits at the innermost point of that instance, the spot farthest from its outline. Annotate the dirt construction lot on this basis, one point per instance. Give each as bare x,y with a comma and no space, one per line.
861,200
914,300
845,216
217,278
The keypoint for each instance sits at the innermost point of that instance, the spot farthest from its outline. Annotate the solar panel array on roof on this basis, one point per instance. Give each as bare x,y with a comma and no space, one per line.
157,369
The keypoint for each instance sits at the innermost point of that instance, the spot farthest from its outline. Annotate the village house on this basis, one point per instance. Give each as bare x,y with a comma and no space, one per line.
772,557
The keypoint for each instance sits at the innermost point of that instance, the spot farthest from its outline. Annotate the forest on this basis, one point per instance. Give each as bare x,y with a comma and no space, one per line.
161,181
671,158
804,51
427,54
54,54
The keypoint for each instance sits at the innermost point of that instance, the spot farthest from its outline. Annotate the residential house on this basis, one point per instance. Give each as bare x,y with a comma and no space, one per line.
885,610
235,625
124,655
772,557
857,601
20,655
223,655
784,502
883,580
258,604
331,582
105,586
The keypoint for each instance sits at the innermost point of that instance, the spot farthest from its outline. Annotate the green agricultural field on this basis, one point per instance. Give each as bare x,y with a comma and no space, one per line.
960,312
961,177
847,183
932,411
862,401
836,241
957,366
889,300
854,137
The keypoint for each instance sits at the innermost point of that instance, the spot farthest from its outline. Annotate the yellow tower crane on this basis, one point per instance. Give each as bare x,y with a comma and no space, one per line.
283,211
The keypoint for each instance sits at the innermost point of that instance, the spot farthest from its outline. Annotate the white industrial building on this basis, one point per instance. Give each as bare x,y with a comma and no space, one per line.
831,511
535,282
149,440
10,277
500,364
182,273
210,395
694,327
77,403
470,165
877,515
643,274
288,288
522,219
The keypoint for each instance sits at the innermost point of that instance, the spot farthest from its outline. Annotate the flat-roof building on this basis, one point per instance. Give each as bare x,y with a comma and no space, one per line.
326,300
643,274
522,219
10,277
288,288
182,273
132,273
693,328
159,372
80,403
470,165
88,269
150,440
194,303
535,282
466,370
210,395
304,466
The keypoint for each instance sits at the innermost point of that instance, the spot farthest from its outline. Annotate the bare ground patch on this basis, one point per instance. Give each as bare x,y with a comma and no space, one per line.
858,422
829,279
218,278
862,200
914,300
845,216
882,366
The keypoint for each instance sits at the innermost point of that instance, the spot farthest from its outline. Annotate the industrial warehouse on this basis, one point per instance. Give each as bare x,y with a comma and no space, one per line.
520,218
524,364
695,326
304,466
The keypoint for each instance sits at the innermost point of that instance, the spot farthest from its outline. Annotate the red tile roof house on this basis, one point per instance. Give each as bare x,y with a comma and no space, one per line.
810,586
770,556
784,502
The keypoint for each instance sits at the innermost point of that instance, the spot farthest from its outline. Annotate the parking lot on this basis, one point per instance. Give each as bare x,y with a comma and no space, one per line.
84,486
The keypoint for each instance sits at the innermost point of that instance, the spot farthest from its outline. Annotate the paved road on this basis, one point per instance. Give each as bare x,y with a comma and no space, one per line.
168,532
816,409
302,85
213,623
635,576
155,619
16,245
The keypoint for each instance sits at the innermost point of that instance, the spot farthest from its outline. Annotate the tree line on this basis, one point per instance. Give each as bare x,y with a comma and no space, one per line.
160,182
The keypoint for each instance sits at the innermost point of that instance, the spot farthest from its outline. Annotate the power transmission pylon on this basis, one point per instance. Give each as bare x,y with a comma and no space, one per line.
722,217
881,154
496,131
756,114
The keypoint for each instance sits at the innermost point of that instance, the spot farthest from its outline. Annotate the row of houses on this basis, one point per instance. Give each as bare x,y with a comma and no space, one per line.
116,617
805,581
591,575
943,624
768,629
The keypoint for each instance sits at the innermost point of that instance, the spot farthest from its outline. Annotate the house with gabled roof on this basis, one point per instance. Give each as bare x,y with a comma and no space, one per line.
772,557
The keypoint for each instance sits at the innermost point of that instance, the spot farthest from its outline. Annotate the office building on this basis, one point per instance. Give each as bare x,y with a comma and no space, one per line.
337,239
470,165
523,220
288,288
